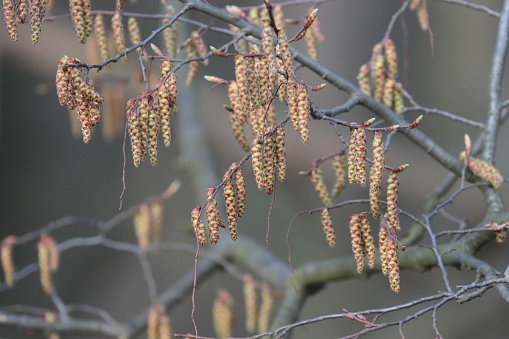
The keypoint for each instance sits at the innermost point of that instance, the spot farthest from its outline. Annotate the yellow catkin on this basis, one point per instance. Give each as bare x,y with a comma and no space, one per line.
339,166
267,301
153,321
37,11
269,162
328,227
367,238
250,303
240,186
280,153
198,226
222,314
376,173
388,93
101,36
364,80
198,42
357,241
319,185
165,329
192,69
391,58
44,264
360,156
170,35
486,171
231,203
134,30
257,161
382,244
156,213
113,120
304,112
378,73
7,259
142,221
118,31
213,216
392,201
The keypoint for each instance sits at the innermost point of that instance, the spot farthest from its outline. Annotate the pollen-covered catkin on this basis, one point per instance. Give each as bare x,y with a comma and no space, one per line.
319,185
198,225
257,161
357,241
339,166
269,162
392,201
10,19
222,314
240,186
213,216
7,259
328,227
367,237
267,301
230,200
280,153
376,173
101,36
250,303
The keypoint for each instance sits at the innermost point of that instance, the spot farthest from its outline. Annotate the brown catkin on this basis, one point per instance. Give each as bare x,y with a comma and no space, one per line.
153,321
222,314
7,259
37,11
378,73
250,303
319,185
376,173
328,227
198,42
170,35
44,264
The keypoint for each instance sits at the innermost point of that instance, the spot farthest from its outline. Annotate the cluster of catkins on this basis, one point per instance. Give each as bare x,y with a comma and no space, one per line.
259,77
148,224
78,94
158,324
49,259
377,78
150,113
257,312
351,165
234,193
21,11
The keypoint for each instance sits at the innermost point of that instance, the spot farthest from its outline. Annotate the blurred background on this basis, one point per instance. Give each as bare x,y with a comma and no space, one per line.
47,174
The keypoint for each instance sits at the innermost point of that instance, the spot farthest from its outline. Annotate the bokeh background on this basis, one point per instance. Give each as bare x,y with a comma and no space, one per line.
47,174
